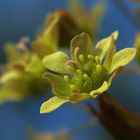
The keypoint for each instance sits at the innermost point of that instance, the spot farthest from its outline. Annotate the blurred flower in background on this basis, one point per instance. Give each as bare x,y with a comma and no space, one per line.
22,75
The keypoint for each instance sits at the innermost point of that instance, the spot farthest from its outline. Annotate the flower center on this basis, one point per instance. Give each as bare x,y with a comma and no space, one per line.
87,73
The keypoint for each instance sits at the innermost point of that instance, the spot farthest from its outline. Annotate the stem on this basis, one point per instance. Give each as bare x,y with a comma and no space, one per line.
126,12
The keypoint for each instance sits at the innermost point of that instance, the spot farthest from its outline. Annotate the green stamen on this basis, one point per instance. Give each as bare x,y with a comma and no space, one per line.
81,58
98,68
73,87
91,57
97,59
86,77
66,79
70,68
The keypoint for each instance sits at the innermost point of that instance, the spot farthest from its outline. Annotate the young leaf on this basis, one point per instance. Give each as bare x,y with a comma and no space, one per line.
52,104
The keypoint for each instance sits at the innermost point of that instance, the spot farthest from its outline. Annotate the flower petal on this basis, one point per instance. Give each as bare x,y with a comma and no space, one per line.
110,53
56,62
52,104
59,86
122,58
83,42
103,45
104,87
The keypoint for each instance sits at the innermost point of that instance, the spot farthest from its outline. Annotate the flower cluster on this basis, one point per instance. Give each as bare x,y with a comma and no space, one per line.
24,65
22,73
88,71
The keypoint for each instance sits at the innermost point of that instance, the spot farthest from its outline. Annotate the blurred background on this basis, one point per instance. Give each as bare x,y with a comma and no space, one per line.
20,18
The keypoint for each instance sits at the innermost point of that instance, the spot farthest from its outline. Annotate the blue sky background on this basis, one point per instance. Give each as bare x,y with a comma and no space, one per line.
24,18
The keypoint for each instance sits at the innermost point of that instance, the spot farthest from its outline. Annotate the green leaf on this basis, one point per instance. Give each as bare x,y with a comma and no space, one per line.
103,45
104,87
83,42
56,62
52,104
59,86
122,58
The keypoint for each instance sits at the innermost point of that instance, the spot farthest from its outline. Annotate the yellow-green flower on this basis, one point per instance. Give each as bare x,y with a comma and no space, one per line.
88,18
87,73
22,75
